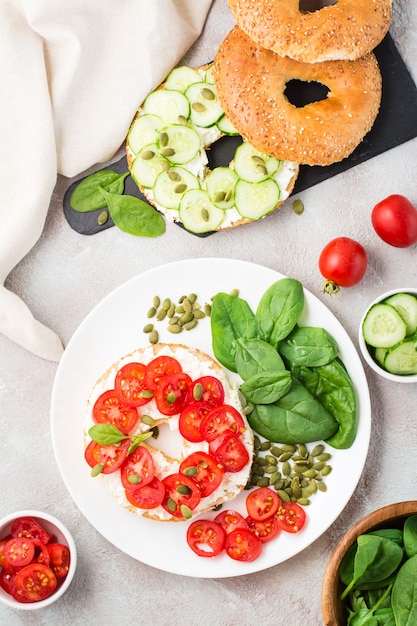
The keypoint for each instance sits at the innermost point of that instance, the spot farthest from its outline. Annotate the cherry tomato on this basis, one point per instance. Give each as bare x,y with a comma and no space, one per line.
243,545
19,551
59,559
7,580
209,389
291,517
230,520
110,457
190,420
395,221
343,263
220,419
230,451
29,527
159,367
261,503
266,530
41,552
204,471
130,385
34,582
147,497
181,495
4,564
171,393
138,469
206,538
109,409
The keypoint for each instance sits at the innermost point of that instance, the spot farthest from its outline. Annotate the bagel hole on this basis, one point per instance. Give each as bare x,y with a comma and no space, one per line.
300,93
222,152
168,441
309,6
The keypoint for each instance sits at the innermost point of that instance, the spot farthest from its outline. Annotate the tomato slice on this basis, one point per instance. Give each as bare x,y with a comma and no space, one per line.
208,389
190,420
220,419
130,384
206,538
230,520
181,495
266,530
34,582
7,580
204,471
160,367
41,552
230,451
59,559
243,545
19,551
138,469
111,456
291,517
109,409
29,527
172,392
147,497
4,564
261,503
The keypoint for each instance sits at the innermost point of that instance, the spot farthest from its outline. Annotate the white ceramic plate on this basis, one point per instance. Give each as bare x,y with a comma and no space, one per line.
113,329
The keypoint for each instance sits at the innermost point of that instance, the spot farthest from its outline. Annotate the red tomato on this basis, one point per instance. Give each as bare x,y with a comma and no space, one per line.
206,538
34,582
265,530
190,420
243,545
204,471
395,221
181,495
41,552
7,580
220,419
262,503
171,393
230,451
3,562
19,551
209,389
147,497
230,520
138,469
158,368
59,559
111,457
130,385
109,409
29,527
291,517
343,263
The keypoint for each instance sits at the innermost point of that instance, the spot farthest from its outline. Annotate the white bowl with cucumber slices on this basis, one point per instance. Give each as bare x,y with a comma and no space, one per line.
388,335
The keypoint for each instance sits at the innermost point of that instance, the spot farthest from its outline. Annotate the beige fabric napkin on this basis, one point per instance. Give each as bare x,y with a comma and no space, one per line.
70,68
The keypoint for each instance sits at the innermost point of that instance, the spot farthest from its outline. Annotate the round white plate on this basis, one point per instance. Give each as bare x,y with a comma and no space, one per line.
113,329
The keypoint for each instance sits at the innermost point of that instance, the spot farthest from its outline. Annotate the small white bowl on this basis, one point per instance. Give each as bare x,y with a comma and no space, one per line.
53,526
367,351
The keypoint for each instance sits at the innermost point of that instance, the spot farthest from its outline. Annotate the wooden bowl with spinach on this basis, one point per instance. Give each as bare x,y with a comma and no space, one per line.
371,576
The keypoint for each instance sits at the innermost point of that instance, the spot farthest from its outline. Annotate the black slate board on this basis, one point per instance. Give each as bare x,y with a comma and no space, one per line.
396,123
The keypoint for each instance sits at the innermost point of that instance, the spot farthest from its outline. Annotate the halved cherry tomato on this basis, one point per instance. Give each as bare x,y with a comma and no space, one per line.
230,451
266,530
7,580
29,527
206,538
230,520
160,367
59,559
109,409
262,503
220,419
3,561
181,495
147,497
243,545
172,392
190,420
34,582
19,551
138,469
291,517
111,456
208,389
204,471
41,552
130,384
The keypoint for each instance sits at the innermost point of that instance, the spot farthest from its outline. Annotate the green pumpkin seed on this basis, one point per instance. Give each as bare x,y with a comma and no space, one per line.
180,188
171,504
283,495
208,94
151,312
134,479
190,325
186,317
161,315
326,470
322,486
190,471
304,501
198,391
198,315
163,139
199,107
148,328
147,155
102,218
298,207
219,196
175,177
324,456
168,152
147,419
184,490
97,469
263,482
171,311
265,445
153,336
318,449
207,310
174,328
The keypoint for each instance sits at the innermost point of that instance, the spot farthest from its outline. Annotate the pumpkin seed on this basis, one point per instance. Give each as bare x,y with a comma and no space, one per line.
97,469
199,107
298,207
163,139
283,495
286,468
168,152
198,391
188,307
180,188
326,470
219,196
263,482
207,94
148,328
171,311
265,445
234,292
151,312
153,336
190,325
304,501
161,315
147,419
147,155
190,471
102,218
198,315
174,328
184,490
271,459
174,176
324,456
207,310
284,457
134,479
192,297
322,486
171,504
318,449
276,451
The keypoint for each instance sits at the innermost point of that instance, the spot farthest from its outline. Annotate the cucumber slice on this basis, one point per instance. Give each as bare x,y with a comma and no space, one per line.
171,185
254,200
383,326
226,127
208,76
169,104
221,183
205,107
252,165
380,354
402,359
181,77
147,165
144,131
198,214
179,144
406,305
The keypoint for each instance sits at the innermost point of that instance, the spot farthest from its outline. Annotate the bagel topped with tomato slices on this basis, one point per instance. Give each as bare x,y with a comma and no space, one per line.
165,432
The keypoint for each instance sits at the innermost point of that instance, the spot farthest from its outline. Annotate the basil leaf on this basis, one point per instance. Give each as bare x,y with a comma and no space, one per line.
106,434
87,195
138,440
279,309
134,216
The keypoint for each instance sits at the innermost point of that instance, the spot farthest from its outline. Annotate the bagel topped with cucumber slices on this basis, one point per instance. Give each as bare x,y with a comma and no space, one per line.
166,155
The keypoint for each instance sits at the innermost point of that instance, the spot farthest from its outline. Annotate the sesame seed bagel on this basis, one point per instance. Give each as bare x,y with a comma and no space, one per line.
251,82
345,29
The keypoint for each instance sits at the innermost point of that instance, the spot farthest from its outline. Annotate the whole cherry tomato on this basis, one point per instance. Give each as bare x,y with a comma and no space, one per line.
395,221
343,263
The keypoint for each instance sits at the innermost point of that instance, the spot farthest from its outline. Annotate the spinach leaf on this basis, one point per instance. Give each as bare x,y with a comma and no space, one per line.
279,309
266,387
87,195
404,594
297,417
385,617
231,319
134,216
254,356
363,617
395,534
309,346
410,535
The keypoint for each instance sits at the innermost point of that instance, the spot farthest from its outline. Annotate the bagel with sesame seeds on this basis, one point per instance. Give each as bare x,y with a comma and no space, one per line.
251,83
313,31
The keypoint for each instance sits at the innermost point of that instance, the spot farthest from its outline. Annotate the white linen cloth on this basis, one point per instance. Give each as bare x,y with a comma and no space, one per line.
70,69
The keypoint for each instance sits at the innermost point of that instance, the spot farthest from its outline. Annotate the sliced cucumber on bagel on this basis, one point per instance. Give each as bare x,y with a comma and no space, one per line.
147,165
197,213
144,131
169,104
255,200
181,77
205,107
171,185
221,184
178,143
252,165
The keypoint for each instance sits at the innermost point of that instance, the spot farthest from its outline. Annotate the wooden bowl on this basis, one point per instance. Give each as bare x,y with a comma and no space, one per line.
391,516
